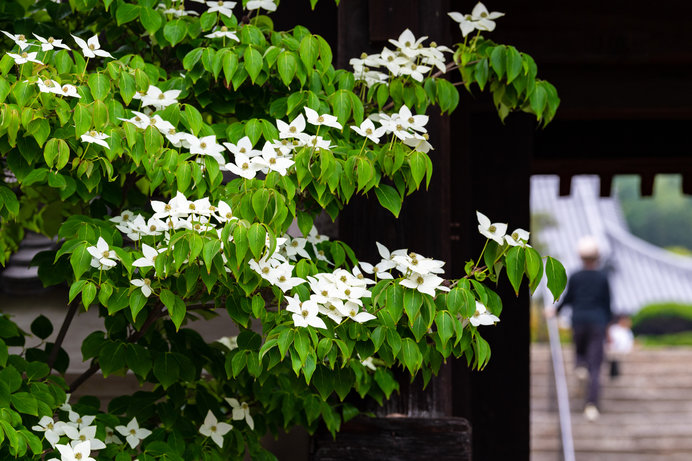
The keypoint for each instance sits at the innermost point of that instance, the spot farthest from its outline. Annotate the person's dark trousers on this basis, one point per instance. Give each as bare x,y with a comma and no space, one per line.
589,340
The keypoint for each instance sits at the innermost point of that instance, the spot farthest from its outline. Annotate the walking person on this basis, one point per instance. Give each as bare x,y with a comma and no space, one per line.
588,294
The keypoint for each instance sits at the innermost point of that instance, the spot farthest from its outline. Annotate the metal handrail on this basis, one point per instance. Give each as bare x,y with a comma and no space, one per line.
561,390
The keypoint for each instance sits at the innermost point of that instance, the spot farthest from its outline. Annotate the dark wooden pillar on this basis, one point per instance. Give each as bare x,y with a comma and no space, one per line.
491,165
423,224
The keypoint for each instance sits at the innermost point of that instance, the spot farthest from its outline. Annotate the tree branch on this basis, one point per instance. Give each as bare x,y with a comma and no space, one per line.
63,331
154,315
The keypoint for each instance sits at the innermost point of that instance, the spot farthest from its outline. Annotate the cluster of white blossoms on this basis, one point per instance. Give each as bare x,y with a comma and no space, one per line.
498,232
79,434
409,57
294,247
217,430
480,19
90,48
419,273
177,7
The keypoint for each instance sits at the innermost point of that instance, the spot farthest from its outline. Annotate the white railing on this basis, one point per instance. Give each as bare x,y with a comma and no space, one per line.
561,389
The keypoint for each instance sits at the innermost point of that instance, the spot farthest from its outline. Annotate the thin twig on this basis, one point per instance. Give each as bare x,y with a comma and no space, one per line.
63,331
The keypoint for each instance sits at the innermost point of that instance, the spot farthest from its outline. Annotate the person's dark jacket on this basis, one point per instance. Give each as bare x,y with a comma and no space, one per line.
588,293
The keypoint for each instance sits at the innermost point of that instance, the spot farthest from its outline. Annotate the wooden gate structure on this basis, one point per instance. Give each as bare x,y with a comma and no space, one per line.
623,70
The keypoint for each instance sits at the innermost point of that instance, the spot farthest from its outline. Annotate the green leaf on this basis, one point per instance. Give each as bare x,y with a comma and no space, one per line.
211,249
112,357
413,300
166,369
285,340
174,31
538,100
287,65
176,307
557,277
126,13
41,327
497,60
534,267
230,64
192,58
410,355
80,259
40,130
447,95
9,200
252,62
88,294
24,402
138,360
514,64
341,105
82,119
386,381
389,198
308,51
301,342
257,236
514,261
99,85
151,20
445,326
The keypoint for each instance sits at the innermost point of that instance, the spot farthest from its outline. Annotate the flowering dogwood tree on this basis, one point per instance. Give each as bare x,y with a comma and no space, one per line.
170,146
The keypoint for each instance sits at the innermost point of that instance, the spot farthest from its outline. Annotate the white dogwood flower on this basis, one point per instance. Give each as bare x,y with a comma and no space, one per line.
103,256
80,452
305,314
268,5
25,57
223,32
367,130
96,138
133,433
68,90
493,231
144,284
519,237
325,119
50,43
482,316
241,410
92,48
159,99
19,39
214,429
223,7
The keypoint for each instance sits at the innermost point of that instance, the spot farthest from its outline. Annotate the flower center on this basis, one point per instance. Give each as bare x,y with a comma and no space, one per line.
152,228
167,207
294,243
265,270
352,313
324,293
245,166
242,150
320,119
305,313
492,228
21,38
203,145
48,83
229,215
420,280
515,236
347,292
161,96
51,39
49,426
224,29
272,161
192,206
292,129
368,131
133,432
77,456
92,47
24,55
147,282
282,278
171,131
410,120
213,428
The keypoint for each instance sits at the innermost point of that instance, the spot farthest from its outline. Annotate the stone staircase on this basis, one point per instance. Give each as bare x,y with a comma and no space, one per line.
646,413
